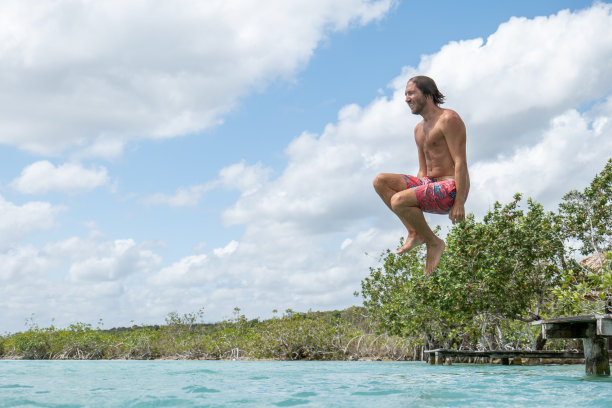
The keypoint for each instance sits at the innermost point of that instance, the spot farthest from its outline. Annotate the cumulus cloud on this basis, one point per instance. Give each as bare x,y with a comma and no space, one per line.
571,151
42,177
240,176
110,261
17,221
92,75
21,262
181,198
244,178
97,280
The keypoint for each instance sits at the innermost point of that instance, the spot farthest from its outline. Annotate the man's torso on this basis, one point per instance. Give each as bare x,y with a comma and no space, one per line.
430,138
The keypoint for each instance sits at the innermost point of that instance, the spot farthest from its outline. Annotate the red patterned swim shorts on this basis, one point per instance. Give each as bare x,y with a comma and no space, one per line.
433,195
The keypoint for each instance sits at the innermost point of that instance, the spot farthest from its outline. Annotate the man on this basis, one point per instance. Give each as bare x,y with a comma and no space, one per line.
442,183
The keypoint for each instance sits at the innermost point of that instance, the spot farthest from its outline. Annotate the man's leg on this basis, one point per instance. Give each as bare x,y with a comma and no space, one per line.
387,185
405,205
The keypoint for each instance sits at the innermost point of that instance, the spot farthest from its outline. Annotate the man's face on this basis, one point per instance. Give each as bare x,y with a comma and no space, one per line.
415,98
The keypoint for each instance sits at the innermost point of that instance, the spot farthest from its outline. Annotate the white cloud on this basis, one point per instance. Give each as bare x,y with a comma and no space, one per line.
187,271
42,177
568,155
246,179
229,249
17,221
92,75
239,176
21,262
108,261
183,197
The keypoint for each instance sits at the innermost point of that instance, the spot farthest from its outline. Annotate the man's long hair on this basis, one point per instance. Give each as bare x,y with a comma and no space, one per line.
428,87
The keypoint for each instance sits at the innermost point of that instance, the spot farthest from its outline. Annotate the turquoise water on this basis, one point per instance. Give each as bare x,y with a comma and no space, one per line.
286,384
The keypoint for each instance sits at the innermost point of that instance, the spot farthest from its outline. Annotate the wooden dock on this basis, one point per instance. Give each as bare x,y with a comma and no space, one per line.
594,330
445,356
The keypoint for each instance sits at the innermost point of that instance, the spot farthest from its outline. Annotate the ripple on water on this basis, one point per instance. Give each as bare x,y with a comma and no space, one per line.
377,392
15,386
199,389
151,401
292,402
305,394
196,372
17,402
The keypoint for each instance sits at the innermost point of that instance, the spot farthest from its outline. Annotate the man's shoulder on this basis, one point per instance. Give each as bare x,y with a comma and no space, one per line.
418,128
451,124
450,119
449,114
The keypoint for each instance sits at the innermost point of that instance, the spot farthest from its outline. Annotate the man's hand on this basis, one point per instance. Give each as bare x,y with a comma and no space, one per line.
457,213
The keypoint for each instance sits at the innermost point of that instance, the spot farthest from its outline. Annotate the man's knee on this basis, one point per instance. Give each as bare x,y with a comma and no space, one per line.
403,200
379,181
397,202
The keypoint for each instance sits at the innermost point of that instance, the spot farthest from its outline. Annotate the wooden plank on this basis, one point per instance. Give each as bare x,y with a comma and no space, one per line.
566,330
604,327
568,319
506,353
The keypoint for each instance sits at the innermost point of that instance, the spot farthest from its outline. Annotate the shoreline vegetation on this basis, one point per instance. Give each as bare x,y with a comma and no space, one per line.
496,276
331,335
346,335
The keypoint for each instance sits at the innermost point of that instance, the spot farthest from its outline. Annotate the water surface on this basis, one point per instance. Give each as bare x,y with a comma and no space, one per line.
303,383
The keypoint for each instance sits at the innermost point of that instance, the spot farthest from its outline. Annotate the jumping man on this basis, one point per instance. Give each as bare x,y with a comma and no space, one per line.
442,183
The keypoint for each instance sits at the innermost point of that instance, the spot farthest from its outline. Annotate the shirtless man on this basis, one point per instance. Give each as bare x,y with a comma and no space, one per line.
442,183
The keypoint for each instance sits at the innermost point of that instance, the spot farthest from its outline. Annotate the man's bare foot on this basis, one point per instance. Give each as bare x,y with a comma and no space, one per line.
434,253
412,242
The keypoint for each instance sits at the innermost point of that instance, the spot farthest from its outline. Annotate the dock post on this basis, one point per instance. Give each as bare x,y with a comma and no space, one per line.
439,358
595,353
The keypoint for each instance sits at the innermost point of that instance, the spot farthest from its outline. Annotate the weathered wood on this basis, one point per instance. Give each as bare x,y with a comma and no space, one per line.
500,354
592,329
575,327
569,330
569,319
440,358
595,354
604,327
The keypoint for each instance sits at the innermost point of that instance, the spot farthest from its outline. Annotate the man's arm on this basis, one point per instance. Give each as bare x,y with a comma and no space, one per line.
455,135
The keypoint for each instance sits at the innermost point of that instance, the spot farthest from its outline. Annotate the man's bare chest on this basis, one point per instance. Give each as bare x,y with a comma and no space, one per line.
433,140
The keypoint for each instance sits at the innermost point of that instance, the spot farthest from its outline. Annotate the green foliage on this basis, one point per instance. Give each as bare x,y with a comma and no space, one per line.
582,290
503,265
588,214
392,293
491,272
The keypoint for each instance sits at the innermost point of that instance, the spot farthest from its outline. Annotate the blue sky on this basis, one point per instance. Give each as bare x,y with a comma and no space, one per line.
166,157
